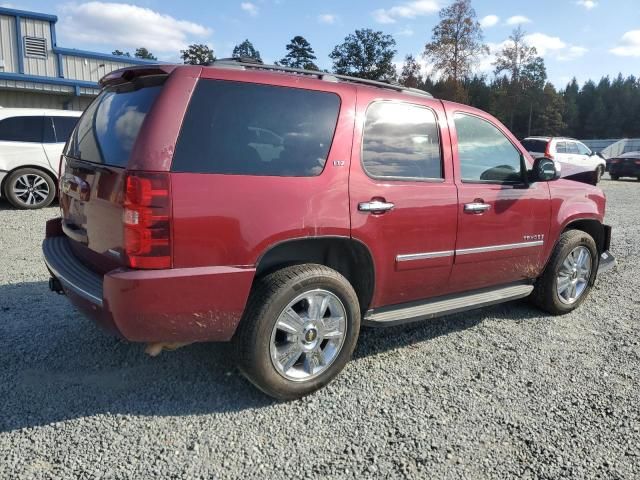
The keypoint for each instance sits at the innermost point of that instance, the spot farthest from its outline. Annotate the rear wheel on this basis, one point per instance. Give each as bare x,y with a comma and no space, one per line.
569,275
29,188
299,330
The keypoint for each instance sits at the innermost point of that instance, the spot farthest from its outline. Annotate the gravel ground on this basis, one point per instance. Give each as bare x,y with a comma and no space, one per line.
500,392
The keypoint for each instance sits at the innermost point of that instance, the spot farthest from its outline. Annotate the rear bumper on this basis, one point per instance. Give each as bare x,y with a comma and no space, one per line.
176,305
624,170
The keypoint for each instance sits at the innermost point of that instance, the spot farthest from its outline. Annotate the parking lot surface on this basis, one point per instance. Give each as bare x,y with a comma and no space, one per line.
500,392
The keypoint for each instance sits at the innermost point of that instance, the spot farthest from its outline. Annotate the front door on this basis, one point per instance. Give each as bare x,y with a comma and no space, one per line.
402,196
502,222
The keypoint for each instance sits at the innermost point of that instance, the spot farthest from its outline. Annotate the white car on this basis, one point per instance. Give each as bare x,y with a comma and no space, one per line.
565,150
31,142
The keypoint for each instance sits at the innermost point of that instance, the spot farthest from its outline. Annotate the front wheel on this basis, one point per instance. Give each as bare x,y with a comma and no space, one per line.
298,331
569,275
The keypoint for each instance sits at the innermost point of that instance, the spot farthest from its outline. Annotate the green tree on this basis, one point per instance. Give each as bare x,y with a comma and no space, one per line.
120,53
457,41
246,50
411,76
299,54
570,114
365,54
144,54
197,54
526,74
549,121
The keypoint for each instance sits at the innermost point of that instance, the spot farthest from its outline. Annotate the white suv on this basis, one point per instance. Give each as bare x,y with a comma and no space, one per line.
31,142
565,150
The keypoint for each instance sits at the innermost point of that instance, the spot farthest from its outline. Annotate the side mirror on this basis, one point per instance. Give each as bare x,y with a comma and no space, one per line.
545,170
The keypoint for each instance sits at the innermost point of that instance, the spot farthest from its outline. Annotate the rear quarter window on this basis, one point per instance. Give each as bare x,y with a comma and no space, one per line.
238,128
539,146
22,129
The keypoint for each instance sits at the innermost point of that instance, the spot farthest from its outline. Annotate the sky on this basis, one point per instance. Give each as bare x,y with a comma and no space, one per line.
587,39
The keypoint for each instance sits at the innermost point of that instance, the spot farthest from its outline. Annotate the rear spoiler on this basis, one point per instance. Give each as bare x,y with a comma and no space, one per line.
127,74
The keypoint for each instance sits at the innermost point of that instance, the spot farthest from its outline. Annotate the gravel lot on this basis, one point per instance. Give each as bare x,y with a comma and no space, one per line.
500,392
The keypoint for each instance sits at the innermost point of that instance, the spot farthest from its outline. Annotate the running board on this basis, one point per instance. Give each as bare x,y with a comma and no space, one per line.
437,307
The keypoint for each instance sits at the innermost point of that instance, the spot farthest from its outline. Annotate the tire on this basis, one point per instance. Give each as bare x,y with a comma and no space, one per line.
546,292
614,177
599,173
258,342
29,189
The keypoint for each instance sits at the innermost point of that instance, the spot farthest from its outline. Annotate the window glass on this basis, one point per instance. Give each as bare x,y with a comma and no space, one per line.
63,127
561,147
22,129
582,149
241,128
535,145
401,140
486,155
572,148
109,127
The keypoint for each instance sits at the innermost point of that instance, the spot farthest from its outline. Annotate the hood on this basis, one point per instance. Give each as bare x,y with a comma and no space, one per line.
577,173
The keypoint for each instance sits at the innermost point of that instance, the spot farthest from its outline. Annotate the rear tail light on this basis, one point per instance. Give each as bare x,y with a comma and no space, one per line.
147,220
637,162
547,151
614,161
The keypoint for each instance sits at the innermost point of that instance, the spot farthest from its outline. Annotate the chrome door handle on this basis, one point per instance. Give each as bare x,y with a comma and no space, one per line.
476,207
375,206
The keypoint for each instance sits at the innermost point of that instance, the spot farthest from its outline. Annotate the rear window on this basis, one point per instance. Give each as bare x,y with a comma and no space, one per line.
532,145
239,128
109,127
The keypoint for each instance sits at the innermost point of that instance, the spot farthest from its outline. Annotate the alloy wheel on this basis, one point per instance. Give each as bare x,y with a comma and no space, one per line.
308,335
573,277
31,189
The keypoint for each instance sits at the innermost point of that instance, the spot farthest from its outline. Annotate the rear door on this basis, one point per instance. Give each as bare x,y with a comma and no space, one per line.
94,167
21,140
502,225
402,196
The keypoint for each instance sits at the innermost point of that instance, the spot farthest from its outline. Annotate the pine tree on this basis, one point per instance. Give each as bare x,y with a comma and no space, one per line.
246,50
299,54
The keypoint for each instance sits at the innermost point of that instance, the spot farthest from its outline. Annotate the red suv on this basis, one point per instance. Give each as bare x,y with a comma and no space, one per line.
281,209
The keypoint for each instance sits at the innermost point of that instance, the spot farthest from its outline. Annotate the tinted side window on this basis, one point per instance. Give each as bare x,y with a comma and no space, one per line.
240,128
63,127
572,147
561,147
401,140
486,155
22,129
534,145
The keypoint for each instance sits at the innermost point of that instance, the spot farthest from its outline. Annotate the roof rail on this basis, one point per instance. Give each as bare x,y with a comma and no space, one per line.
251,63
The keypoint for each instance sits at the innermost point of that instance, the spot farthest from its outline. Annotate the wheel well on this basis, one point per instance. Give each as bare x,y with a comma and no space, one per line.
46,171
593,228
349,257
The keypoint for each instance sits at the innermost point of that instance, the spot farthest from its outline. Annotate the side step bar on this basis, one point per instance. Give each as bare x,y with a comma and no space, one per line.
437,307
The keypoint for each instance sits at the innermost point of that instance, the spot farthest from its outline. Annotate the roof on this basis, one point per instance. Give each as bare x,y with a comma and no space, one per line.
28,14
251,64
28,112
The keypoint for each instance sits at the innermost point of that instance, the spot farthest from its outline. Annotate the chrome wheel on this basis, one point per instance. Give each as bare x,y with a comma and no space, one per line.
573,277
31,189
308,335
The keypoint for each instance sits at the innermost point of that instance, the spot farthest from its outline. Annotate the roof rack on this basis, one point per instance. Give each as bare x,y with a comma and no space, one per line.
252,63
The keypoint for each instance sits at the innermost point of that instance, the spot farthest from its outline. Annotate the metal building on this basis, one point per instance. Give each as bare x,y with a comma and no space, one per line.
35,72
